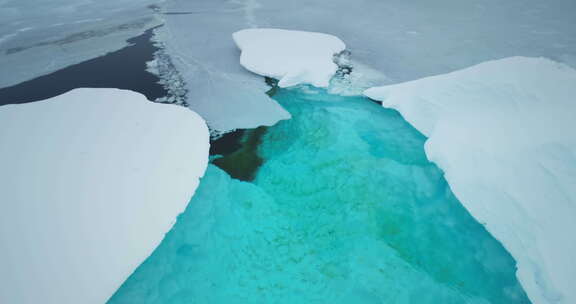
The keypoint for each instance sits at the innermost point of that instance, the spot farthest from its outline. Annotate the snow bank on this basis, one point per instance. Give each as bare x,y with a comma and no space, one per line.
503,132
90,182
293,57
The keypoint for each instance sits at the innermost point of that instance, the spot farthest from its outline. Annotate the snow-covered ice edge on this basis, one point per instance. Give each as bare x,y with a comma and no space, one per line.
503,133
292,57
91,181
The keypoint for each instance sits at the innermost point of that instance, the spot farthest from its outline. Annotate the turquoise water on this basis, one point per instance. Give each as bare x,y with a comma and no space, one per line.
345,208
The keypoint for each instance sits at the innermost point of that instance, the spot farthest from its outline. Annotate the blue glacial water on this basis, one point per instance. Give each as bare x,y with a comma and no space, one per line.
344,208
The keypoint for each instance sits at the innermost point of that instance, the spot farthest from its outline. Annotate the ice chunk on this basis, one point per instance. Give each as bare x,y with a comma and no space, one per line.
90,182
293,57
503,132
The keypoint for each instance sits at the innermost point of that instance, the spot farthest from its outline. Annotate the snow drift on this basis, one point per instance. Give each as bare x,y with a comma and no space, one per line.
293,57
90,182
503,132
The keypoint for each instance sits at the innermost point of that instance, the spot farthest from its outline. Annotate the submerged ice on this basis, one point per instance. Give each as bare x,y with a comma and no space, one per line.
345,208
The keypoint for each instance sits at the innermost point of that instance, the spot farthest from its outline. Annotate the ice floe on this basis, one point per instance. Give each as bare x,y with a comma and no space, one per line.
91,181
292,57
503,132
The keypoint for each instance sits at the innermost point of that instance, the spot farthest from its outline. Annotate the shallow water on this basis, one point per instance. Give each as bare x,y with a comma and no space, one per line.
343,208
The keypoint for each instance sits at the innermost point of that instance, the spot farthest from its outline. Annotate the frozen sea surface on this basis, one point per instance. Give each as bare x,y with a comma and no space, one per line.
403,40
345,208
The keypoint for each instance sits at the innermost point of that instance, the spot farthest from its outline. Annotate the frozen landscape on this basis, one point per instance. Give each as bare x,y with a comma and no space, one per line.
366,152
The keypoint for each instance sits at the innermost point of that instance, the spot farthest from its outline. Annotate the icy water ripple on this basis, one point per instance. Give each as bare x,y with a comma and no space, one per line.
344,208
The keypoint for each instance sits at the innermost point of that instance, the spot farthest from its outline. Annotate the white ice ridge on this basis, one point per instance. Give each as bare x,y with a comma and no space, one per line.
292,57
90,182
503,132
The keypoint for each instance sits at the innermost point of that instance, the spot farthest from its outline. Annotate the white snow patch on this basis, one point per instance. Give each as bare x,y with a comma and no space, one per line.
90,182
293,57
503,132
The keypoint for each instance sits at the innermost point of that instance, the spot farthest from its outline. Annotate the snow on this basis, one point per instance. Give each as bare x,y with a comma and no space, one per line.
292,57
39,38
502,131
91,181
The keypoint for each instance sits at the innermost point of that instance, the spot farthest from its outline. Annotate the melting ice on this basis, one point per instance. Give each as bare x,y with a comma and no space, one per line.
345,208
